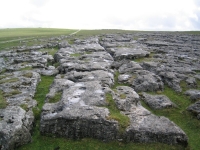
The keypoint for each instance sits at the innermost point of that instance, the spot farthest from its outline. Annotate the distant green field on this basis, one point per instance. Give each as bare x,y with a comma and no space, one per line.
12,37
7,34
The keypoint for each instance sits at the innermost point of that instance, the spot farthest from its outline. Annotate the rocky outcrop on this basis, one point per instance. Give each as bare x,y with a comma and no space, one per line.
83,110
195,108
16,117
85,83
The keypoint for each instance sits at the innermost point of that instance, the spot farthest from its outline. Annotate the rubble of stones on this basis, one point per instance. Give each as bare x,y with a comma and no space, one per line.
89,70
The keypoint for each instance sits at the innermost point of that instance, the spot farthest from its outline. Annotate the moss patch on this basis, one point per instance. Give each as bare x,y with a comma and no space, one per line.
75,55
147,58
14,92
50,51
26,68
28,75
24,106
122,96
9,80
3,102
56,98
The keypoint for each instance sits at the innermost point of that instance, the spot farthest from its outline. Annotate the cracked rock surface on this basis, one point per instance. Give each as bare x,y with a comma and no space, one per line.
89,70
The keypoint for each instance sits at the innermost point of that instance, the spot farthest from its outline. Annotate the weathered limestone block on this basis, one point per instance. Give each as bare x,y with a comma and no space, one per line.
129,53
15,127
125,97
157,101
146,128
144,81
194,94
195,108
130,67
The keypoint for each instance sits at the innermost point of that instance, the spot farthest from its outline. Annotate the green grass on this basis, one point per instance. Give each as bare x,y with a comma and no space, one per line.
122,96
143,59
24,106
14,92
56,98
26,68
79,54
180,116
116,83
28,75
75,55
50,51
3,102
12,37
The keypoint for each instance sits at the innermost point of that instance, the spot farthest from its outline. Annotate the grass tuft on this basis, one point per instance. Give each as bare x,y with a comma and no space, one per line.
9,80
12,93
28,75
56,98
75,55
122,96
24,106
26,68
3,102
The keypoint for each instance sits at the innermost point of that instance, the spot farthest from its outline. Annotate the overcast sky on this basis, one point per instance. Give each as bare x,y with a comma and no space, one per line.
101,14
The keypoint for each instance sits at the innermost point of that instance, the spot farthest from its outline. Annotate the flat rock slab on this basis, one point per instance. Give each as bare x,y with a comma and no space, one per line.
129,53
106,78
87,62
125,97
146,127
84,94
142,81
19,87
130,67
157,101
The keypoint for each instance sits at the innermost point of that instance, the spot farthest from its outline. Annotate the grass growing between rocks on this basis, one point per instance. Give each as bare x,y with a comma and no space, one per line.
3,102
116,83
50,51
26,68
56,98
24,106
143,59
115,114
40,142
180,116
12,93
75,55
28,75
9,80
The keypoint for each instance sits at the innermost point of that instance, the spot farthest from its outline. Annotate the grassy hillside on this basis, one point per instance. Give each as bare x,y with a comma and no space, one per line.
12,37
